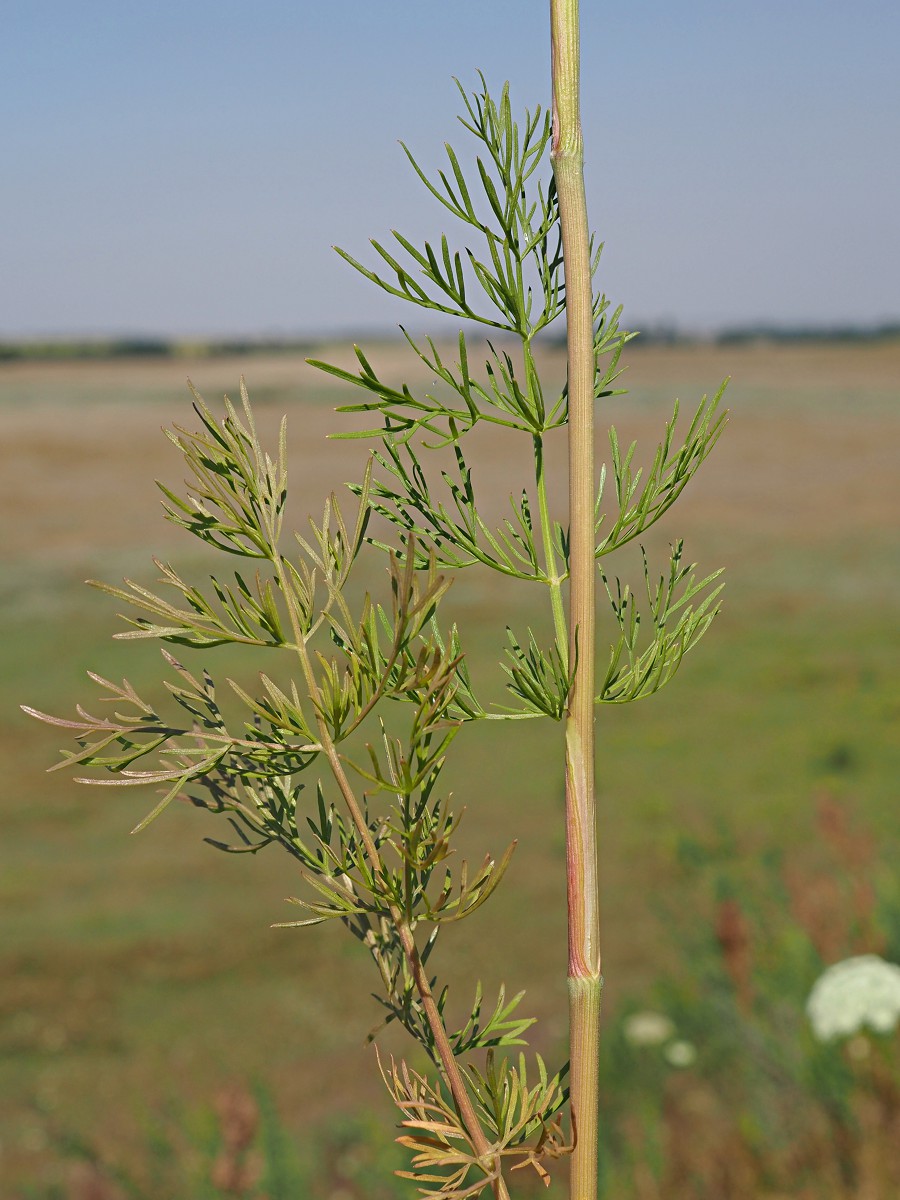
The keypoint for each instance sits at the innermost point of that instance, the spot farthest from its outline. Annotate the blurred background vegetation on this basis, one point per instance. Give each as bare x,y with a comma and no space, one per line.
159,1039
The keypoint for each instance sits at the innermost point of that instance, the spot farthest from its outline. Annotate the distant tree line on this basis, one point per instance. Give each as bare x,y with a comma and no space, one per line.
809,333
146,347
143,347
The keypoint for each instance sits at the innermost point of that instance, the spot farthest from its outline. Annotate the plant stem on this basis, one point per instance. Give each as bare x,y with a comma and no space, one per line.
452,1073
554,580
585,981
551,568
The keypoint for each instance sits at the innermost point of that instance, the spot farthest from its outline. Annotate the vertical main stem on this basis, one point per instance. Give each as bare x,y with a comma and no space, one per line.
585,981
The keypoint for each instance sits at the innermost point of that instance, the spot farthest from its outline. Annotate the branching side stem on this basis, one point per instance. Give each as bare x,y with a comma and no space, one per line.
551,567
450,1066
567,156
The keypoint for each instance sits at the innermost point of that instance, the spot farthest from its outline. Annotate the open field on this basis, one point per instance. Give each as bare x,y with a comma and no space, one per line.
138,973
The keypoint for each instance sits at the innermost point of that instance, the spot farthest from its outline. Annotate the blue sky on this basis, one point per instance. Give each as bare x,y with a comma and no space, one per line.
183,168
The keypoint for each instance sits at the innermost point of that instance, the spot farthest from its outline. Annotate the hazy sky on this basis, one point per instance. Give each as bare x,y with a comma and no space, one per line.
183,168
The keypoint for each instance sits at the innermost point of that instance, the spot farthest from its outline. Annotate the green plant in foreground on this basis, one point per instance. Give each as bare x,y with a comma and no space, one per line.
338,760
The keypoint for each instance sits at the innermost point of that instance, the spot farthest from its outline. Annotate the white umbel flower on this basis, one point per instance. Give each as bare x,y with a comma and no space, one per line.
648,1029
858,992
680,1054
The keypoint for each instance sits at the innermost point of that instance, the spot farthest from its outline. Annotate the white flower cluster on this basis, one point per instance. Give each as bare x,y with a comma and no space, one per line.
655,1029
648,1029
853,994
680,1053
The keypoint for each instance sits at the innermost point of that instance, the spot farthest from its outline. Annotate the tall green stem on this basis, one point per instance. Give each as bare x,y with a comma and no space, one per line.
581,841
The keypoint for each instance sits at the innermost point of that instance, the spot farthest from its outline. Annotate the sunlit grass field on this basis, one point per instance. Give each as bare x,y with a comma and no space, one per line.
139,976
